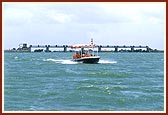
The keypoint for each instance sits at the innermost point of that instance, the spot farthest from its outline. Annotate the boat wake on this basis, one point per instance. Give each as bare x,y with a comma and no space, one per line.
61,61
107,62
64,61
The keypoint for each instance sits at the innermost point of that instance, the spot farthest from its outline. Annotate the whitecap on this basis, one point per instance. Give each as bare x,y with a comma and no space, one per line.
16,57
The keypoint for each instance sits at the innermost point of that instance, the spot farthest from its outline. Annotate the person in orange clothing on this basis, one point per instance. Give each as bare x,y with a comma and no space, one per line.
87,54
74,56
78,55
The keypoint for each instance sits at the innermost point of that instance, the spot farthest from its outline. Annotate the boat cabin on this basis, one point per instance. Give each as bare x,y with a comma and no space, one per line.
83,55
80,54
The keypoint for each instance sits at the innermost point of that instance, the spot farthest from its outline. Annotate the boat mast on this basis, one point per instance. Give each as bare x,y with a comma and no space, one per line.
92,46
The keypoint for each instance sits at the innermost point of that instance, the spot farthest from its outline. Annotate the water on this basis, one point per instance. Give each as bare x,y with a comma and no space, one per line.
52,82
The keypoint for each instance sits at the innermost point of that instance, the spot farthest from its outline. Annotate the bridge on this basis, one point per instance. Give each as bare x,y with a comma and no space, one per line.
130,47
64,47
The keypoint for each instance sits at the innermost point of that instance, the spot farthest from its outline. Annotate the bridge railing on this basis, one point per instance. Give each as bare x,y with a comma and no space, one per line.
116,47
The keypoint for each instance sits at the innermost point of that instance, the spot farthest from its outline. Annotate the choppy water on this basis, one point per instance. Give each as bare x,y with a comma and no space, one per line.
52,82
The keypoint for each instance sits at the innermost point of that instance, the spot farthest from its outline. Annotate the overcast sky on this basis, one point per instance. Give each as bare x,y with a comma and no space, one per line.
76,23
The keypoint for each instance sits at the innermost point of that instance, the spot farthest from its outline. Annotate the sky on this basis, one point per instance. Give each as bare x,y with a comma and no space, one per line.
76,23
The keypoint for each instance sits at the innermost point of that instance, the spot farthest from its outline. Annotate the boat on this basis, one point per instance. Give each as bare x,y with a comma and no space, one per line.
83,55
92,59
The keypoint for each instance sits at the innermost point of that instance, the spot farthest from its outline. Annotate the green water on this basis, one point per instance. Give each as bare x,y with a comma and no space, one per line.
52,82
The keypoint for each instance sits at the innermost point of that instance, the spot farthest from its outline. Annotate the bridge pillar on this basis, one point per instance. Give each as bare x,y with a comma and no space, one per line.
47,48
147,49
132,49
65,48
116,49
99,48
30,48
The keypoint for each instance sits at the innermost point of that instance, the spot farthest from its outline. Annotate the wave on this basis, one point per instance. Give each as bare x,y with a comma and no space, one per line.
62,61
16,57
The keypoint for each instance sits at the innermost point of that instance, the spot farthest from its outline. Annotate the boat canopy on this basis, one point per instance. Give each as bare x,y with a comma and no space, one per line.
83,46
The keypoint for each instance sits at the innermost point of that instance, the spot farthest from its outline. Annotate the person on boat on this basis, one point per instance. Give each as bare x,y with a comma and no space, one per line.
87,54
78,55
74,56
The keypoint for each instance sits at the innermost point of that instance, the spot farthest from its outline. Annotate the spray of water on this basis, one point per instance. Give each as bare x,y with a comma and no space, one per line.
60,61
107,62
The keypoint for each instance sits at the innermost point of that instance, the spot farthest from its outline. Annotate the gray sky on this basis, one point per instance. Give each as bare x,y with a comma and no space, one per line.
76,23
